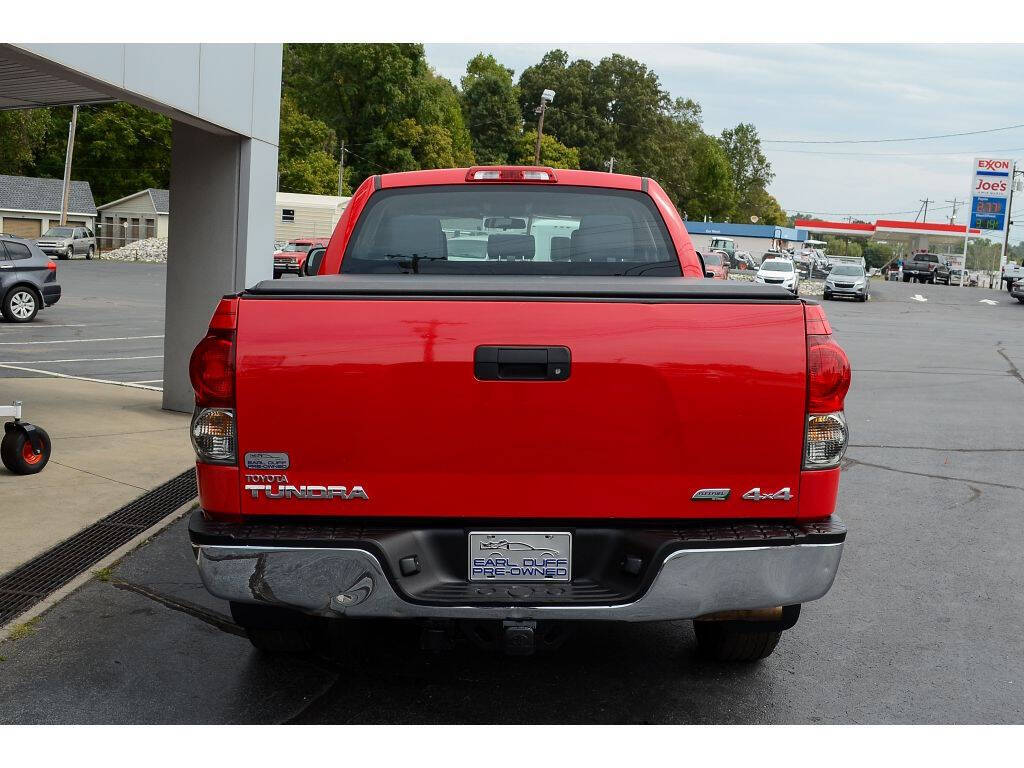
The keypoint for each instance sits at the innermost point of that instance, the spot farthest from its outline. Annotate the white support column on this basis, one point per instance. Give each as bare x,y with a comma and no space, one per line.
220,237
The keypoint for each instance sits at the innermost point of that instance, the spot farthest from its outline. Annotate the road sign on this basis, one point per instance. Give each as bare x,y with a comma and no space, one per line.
991,196
990,193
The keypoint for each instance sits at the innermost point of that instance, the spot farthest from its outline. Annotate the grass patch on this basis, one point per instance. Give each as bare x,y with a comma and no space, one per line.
21,631
104,574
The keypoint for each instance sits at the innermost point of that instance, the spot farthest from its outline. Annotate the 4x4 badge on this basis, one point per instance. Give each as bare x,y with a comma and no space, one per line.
754,494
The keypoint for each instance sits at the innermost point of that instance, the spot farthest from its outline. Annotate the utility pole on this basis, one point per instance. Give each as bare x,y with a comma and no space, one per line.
956,204
341,170
610,165
67,166
924,207
545,98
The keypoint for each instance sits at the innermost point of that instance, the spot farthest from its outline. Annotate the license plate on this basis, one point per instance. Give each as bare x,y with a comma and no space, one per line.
520,556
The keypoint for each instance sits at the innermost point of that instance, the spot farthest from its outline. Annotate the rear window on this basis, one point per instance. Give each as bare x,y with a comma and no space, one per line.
927,257
777,266
713,259
513,229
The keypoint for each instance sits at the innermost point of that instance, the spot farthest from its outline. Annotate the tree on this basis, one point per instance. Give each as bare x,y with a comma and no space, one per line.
490,104
383,101
21,131
119,149
751,175
305,161
552,152
750,167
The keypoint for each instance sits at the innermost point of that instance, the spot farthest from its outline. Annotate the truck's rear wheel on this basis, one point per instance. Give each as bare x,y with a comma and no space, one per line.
721,642
278,630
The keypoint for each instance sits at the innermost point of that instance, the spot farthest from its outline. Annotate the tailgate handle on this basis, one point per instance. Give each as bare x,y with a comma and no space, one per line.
522,363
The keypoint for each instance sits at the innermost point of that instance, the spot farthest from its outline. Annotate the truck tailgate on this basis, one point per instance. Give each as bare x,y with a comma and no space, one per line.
674,386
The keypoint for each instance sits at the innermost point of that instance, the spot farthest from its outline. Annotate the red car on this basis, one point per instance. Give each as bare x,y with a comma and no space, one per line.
293,255
716,265
518,436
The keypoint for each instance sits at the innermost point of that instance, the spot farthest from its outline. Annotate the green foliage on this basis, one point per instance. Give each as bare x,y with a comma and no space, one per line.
21,131
119,148
305,161
490,103
383,101
552,152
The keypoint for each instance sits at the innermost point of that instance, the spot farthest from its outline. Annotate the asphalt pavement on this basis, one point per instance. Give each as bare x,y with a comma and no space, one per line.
924,624
108,326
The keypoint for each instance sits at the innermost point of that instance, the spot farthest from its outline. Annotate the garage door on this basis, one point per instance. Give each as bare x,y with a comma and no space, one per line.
22,227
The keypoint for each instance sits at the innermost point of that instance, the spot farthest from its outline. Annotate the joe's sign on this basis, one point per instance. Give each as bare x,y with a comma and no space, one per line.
990,188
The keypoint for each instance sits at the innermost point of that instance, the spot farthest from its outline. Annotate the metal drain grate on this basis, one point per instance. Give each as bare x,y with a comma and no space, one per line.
44,574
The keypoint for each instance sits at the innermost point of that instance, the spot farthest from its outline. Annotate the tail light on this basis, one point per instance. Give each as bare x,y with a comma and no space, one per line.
828,374
828,380
211,370
51,266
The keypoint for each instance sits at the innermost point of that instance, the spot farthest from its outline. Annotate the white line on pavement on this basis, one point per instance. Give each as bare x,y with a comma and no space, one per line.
989,302
80,378
146,381
44,326
76,341
918,297
79,360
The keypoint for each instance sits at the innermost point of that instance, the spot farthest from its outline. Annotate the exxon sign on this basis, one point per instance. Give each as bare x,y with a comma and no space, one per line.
990,190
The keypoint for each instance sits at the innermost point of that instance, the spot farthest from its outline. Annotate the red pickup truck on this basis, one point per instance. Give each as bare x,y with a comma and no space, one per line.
521,435
292,257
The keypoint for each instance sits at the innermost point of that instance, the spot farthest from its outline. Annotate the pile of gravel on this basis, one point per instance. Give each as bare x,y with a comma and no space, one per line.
808,287
152,249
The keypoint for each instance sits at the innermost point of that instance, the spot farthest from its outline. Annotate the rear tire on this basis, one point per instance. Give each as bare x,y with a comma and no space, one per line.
18,456
720,642
278,630
21,304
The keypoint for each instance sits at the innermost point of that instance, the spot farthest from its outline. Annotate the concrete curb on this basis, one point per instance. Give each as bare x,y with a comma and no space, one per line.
48,602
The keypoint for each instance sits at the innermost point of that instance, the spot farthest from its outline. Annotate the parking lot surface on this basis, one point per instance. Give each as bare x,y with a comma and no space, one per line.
108,326
923,625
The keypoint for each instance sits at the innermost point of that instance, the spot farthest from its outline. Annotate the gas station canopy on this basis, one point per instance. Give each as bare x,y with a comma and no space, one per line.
914,235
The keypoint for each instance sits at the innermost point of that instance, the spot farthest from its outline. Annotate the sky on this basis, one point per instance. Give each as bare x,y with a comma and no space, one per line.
835,92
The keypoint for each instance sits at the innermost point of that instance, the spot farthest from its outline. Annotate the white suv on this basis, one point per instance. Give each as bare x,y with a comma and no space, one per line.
779,272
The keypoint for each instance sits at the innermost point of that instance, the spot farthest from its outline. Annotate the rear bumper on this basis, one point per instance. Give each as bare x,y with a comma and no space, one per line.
678,574
51,293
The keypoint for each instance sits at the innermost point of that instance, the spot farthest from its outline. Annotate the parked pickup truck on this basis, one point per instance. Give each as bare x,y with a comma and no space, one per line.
1010,274
926,268
514,443
292,256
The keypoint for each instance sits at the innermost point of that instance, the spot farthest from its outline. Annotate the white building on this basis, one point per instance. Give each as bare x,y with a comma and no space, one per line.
297,215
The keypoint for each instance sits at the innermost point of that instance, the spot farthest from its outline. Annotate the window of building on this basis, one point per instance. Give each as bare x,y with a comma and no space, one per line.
287,214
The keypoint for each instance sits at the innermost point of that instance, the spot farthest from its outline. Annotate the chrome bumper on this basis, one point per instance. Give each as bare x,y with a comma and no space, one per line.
351,582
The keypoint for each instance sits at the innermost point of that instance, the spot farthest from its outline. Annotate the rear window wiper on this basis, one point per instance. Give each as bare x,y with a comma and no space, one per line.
412,262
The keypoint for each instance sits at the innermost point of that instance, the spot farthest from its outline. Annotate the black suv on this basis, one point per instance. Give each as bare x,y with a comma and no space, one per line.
926,268
28,279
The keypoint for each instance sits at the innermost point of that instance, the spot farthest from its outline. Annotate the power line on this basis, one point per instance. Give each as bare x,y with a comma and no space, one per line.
896,154
887,141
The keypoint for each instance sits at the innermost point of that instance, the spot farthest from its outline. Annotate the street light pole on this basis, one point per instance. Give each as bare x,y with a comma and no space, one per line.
547,96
